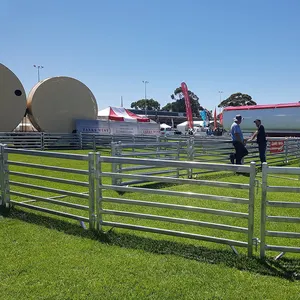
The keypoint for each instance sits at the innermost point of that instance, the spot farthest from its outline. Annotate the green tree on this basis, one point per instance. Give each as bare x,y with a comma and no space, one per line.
179,104
140,104
237,99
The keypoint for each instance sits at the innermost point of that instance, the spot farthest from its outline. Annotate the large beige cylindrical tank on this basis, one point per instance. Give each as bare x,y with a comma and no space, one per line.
54,104
12,100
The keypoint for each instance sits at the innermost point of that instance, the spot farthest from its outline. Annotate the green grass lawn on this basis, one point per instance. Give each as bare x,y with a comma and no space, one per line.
48,257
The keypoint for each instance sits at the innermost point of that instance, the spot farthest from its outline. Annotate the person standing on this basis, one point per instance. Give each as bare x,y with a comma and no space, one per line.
261,140
237,141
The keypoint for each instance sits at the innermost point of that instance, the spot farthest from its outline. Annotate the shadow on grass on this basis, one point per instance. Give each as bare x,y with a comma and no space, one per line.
284,268
161,185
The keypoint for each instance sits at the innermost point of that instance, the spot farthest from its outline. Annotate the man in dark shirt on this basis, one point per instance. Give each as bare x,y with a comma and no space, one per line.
260,136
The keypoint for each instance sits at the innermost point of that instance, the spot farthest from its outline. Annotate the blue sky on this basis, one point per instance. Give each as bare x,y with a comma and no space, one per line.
111,46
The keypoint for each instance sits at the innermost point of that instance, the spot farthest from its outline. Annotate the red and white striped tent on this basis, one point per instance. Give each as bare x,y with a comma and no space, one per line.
120,114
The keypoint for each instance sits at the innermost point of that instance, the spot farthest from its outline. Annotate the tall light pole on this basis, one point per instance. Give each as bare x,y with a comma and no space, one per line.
145,83
38,71
220,92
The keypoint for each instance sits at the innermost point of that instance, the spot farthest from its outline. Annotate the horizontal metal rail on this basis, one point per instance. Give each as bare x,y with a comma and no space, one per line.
49,200
284,170
284,204
286,189
178,207
149,153
137,168
176,164
47,189
175,220
177,233
178,194
283,248
49,178
45,167
144,146
50,211
283,219
48,154
158,172
178,180
283,234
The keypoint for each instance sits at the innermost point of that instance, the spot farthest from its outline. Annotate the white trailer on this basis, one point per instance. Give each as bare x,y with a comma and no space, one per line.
278,119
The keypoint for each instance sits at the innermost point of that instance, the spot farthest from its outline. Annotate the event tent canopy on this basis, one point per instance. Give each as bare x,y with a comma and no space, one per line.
183,126
120,114
164,125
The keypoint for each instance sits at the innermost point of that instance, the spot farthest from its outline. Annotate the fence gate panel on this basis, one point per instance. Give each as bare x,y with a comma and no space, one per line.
279,217
52,186
202,213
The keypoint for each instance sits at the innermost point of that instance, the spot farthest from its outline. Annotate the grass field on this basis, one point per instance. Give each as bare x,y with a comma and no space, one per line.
48,257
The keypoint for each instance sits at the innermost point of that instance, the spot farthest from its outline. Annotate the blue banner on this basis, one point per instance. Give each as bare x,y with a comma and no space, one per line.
203,116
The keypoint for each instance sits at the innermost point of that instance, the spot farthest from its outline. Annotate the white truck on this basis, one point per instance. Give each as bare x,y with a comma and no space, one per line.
278,119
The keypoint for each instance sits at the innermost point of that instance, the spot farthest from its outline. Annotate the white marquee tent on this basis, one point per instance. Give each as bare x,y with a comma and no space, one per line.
120,114
183,127
164,125
118,121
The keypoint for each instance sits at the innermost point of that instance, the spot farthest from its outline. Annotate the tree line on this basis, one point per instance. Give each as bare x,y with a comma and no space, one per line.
178,103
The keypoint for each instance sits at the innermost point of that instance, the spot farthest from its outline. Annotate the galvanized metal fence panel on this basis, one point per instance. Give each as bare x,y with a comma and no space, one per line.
133,170
153,150
103,211
214,150
4,178
266,203
30,193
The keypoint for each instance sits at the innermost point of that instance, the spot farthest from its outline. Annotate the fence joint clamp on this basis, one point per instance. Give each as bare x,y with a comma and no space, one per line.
256,241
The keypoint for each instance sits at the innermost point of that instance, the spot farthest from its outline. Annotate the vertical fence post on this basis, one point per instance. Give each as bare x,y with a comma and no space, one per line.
113,165
251,208
286,150
190,153
133,143
158,147
263,210
94,142
116,150
178,157
298,154
80,140
4,178
42,141
91,190
98,186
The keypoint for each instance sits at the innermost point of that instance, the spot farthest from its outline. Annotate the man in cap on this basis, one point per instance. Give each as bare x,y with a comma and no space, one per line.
261,140
237,141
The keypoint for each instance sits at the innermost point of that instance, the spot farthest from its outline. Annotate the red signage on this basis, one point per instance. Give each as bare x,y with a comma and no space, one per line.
188,107
276,146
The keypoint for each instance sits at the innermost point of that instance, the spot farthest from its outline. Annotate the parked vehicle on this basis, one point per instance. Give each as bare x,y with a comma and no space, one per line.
278,119
167,131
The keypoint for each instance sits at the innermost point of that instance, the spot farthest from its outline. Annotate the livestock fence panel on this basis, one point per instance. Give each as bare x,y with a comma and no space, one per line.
201,149
218,150
150,150
49,187
52,141
281,215
176,212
